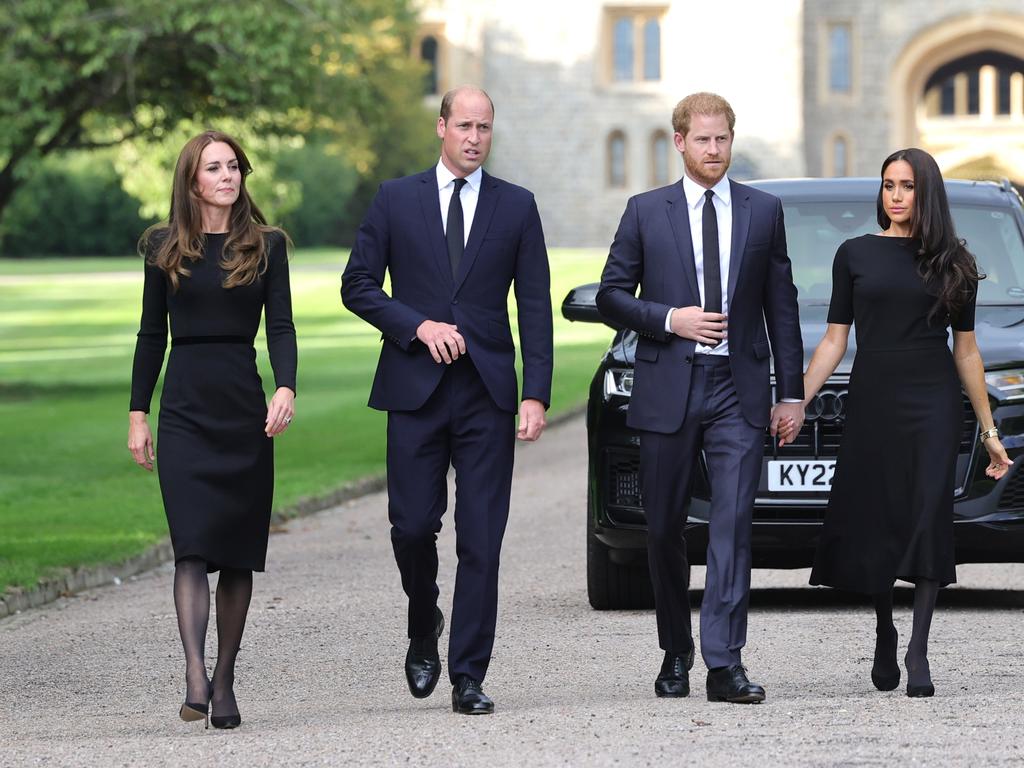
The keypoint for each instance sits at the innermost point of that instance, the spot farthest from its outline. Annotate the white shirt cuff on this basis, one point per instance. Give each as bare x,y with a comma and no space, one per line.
668,320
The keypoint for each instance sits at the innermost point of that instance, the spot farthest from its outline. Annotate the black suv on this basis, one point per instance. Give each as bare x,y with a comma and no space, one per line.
795,479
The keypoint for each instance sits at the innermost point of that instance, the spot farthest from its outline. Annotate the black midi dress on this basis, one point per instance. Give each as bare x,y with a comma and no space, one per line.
214,460
890,512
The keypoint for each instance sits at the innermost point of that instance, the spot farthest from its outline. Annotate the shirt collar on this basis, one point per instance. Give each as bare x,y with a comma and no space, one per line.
445,177
695,192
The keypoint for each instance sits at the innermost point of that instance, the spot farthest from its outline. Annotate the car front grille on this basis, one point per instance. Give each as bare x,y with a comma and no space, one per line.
826,418
623,473
1012,499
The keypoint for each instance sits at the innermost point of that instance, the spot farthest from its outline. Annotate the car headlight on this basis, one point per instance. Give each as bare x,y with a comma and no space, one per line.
1009,383
618,381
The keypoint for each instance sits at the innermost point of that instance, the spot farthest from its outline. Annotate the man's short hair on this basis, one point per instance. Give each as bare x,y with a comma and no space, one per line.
702,103
449,98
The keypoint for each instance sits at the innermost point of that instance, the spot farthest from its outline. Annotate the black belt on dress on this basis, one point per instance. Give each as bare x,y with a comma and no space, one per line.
184,341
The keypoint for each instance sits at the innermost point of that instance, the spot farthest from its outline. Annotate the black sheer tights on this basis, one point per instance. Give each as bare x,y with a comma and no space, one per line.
192,603
918,674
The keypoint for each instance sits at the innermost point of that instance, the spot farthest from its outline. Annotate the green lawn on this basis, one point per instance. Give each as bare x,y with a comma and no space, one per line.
69,492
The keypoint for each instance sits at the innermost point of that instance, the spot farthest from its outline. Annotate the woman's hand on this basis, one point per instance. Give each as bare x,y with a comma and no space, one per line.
998,464
140,440
280,411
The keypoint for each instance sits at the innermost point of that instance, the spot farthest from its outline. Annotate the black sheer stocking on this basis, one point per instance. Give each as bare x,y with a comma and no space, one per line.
234,591
885,672
925,594
192,604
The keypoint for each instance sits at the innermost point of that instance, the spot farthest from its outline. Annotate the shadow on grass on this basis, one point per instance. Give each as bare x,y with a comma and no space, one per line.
23,391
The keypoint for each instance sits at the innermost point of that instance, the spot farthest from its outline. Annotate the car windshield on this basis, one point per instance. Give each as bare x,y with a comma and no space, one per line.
814,230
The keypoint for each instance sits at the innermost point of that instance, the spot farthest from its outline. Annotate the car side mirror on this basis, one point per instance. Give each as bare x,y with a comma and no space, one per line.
580,305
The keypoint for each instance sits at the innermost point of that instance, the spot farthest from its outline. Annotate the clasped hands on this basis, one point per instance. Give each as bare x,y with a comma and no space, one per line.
710,328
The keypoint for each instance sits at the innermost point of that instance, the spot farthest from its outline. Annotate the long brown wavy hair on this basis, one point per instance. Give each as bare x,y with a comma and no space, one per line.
943,261
171,245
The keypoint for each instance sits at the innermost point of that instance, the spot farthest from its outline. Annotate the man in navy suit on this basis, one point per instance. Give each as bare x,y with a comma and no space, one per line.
454,239
716,286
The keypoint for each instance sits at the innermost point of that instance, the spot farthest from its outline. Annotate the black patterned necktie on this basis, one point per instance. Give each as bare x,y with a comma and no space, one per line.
455,229
712,264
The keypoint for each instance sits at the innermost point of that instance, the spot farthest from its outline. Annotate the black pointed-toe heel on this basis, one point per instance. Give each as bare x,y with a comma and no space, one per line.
192,711
922,689
885,672
225,722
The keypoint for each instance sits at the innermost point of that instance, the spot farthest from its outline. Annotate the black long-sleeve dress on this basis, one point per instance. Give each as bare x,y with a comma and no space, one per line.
890,512
215,462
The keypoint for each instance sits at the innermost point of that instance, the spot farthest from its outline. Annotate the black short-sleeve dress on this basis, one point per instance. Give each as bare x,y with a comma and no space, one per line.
890,512
215,462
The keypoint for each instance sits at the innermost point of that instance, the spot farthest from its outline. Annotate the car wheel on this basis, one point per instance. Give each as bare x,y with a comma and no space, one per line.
611,585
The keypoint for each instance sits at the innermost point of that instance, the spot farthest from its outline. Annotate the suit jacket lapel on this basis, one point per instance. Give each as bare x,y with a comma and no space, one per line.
486,203
679,218
740,228
430,204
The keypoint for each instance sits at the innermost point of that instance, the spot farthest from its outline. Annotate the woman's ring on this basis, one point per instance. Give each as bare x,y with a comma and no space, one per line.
287,419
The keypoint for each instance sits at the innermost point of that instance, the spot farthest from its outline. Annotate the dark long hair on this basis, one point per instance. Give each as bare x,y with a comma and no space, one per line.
943,261
167,245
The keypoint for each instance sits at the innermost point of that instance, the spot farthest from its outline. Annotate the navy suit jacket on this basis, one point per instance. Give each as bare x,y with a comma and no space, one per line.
403,234
653,249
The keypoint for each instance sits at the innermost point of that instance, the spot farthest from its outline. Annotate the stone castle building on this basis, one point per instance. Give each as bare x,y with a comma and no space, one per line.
584,89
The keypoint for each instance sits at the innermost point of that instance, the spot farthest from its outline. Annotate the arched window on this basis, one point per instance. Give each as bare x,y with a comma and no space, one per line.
617,159
652,50
428,54
660,159
840,156
622,49
840,59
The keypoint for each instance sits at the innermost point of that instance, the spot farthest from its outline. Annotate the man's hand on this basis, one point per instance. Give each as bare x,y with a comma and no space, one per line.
787,419
531,420
694,323
443,340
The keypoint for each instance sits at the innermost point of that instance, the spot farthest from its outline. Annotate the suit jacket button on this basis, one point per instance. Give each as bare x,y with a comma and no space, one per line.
455,301
689,359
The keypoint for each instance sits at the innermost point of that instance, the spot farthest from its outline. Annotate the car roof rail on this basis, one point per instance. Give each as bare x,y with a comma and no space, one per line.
1009,187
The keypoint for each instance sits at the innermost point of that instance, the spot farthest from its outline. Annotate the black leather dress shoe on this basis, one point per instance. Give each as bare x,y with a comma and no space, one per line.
422,662
731,684
468,697
673,681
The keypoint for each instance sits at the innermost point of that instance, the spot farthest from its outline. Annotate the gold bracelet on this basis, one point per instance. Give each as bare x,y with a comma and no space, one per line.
988,433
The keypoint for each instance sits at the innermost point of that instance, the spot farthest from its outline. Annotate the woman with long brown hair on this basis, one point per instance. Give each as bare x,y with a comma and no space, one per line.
212,270
890,513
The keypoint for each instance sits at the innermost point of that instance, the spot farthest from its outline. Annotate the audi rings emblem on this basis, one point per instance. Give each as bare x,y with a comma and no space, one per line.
829,405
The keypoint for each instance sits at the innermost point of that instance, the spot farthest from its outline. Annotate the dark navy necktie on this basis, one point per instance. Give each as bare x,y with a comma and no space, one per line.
455,229
712,264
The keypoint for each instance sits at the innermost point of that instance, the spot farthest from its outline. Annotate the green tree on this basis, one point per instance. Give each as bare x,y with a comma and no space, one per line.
80,74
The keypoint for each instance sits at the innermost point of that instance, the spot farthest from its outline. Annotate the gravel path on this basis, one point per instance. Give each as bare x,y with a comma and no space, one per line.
97,679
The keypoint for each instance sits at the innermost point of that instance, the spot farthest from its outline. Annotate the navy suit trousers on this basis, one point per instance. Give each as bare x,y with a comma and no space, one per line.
733,450
459,426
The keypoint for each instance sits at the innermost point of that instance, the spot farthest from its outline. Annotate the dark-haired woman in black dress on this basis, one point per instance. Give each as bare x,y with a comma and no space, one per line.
890,513
213,269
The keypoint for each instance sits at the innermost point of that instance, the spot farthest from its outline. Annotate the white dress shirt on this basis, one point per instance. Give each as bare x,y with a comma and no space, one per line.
695,201
469,196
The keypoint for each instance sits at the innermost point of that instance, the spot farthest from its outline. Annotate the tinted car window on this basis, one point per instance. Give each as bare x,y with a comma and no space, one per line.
815,230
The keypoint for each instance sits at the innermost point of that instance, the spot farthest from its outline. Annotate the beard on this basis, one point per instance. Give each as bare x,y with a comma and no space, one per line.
700,173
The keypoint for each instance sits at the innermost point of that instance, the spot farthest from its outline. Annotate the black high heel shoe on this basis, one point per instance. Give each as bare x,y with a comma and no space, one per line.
885,672
922,688
224,722
192,711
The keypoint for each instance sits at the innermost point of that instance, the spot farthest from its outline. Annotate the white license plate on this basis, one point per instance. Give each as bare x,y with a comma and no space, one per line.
801,475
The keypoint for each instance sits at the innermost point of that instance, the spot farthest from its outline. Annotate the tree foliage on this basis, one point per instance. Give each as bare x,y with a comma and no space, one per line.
91,73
